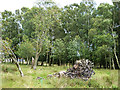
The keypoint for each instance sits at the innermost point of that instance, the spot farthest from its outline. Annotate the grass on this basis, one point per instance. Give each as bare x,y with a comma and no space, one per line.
103,78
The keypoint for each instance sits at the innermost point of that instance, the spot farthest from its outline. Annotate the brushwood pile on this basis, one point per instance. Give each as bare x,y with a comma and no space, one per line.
81,69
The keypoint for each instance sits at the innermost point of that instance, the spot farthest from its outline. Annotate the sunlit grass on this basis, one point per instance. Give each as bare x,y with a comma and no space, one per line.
104,78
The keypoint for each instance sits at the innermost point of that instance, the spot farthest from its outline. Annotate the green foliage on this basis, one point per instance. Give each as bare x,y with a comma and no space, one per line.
59,49
25,49
72,49
10,28
64,34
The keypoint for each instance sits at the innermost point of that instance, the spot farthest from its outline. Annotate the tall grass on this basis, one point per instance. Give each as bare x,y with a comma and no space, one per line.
103,78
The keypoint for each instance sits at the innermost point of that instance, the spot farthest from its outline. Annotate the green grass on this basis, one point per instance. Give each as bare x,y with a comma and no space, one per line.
103,78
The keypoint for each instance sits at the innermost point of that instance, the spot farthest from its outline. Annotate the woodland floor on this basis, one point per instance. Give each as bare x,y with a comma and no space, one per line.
104,78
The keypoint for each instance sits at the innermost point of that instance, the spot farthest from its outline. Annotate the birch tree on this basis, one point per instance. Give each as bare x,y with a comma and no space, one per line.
13,56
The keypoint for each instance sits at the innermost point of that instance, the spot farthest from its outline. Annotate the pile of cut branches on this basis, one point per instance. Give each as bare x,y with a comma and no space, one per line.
81,69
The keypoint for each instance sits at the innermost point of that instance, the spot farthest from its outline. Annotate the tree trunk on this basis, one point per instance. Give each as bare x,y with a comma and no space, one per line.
33,61
36,60
50,59
53,61
18,66
110,62
69,63
105,61
118,30
113,64
37,63
50,62
14,59
72,62
46,58
115,49
22,61
42,63
100,65
66,63
28,61
58,62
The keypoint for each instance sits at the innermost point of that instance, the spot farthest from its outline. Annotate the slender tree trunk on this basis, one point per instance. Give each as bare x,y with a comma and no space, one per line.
22,61
14,59
69,64
46,58
113,64
58,62
110,62
50,62
33,61
72,62
118,30
115,50
100,65
50,59
53,61
66,63
42,63
105,61
18,66
28,61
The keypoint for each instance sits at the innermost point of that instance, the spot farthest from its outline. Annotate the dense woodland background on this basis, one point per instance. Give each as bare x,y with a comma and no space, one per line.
61,36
